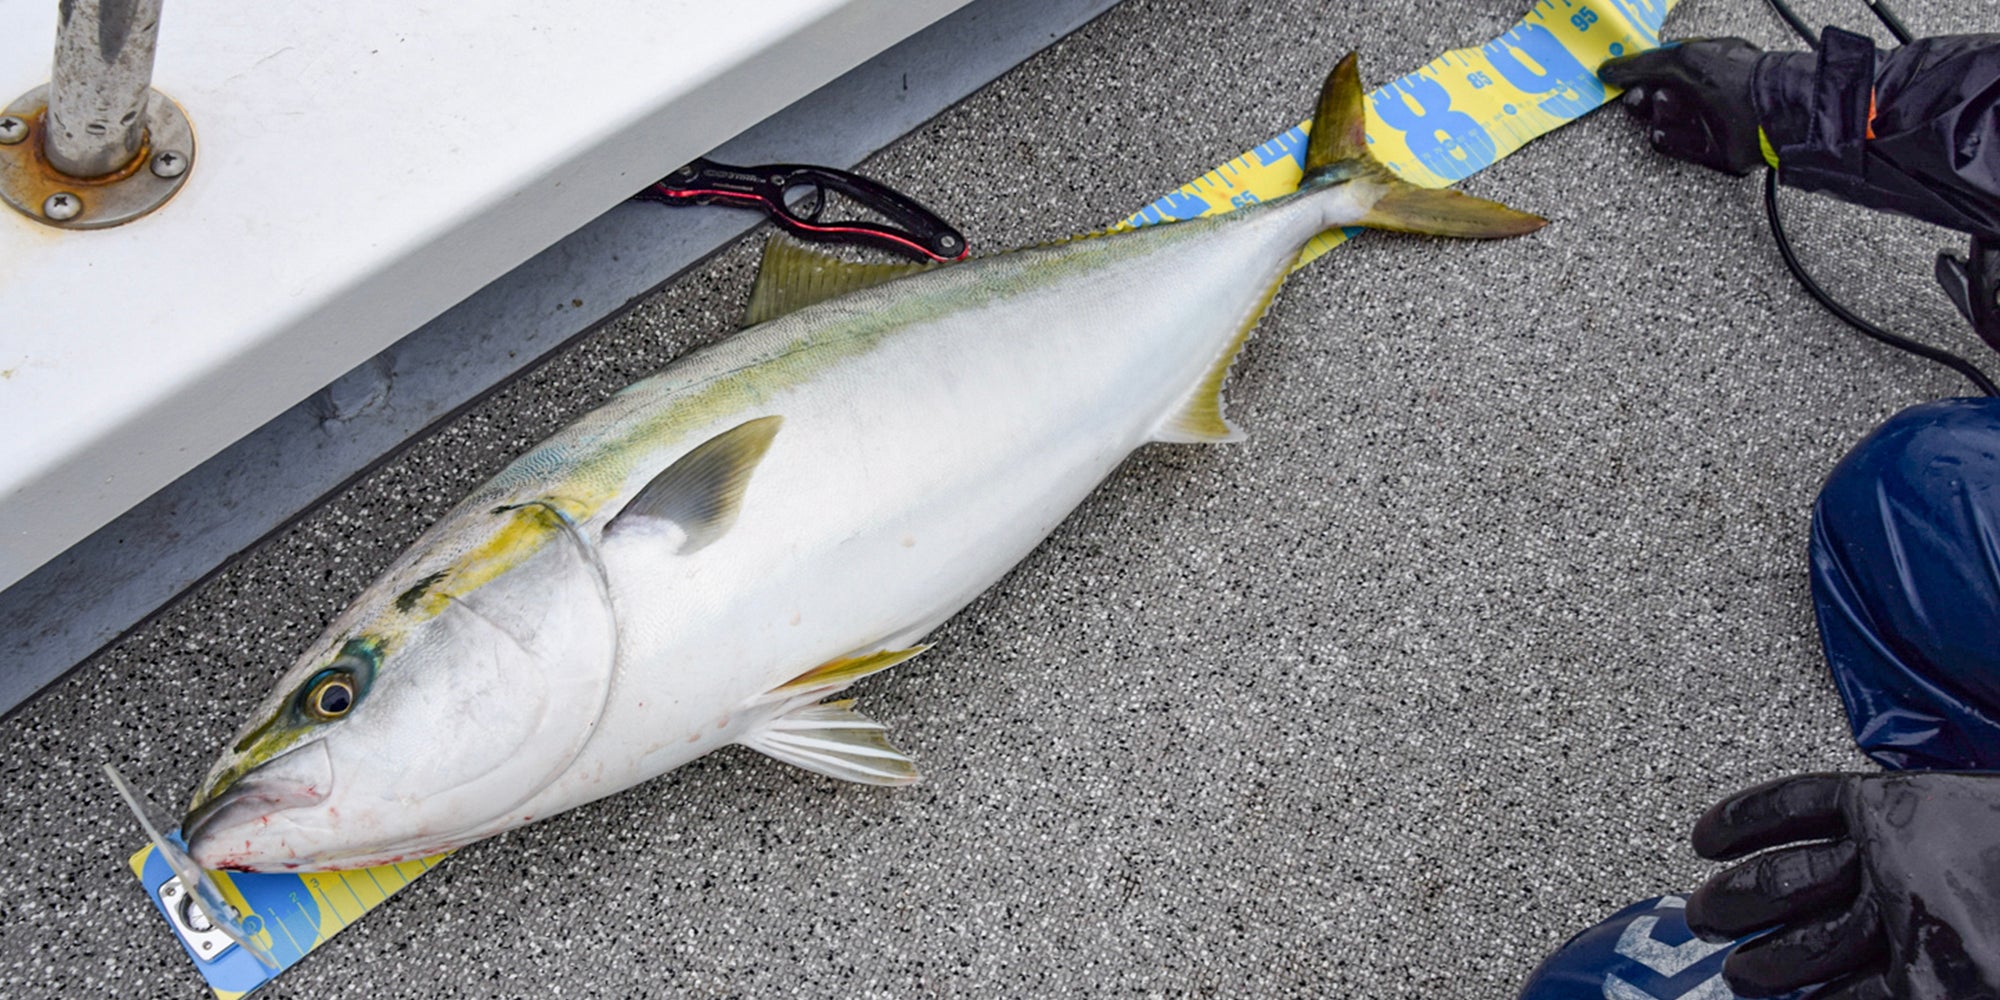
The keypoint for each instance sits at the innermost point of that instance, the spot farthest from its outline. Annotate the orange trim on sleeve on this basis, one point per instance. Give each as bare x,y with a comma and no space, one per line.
1870,133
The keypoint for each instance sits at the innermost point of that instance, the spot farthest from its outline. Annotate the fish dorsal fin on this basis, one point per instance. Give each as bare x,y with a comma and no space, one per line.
702,491
833,675
1340,120
835,740
1199,418
794,276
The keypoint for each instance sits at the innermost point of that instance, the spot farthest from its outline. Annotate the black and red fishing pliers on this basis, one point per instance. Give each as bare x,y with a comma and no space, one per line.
795,197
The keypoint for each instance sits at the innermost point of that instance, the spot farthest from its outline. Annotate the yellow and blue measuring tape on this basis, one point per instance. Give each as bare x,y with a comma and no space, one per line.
1454,117
1438,125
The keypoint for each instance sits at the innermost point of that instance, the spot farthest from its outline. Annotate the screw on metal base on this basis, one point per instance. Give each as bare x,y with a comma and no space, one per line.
169,164
28,179
62,206
97,146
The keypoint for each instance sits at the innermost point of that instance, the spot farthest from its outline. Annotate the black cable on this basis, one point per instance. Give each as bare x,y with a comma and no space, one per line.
1792,18
1943,357
1952,361
1882,12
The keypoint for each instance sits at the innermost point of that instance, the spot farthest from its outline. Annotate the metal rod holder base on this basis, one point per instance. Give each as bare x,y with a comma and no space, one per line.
33,186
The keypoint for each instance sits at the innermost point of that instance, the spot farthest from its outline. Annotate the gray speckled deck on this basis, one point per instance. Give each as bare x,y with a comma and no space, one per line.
1507,584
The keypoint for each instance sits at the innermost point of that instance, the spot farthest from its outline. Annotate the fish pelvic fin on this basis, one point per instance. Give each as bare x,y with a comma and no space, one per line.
833,739
1337,153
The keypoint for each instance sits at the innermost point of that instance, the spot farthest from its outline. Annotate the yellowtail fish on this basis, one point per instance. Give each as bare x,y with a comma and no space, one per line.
715,552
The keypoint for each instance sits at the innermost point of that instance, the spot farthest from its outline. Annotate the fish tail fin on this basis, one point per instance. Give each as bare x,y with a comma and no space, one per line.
1337,153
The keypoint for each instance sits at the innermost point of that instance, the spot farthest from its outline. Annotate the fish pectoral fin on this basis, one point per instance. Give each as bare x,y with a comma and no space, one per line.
794,276
833,675
702,492
833,739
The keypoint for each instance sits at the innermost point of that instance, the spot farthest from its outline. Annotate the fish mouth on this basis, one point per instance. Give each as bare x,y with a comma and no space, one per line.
300,777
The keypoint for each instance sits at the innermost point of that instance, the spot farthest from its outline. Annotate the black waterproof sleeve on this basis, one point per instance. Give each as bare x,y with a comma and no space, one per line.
1915,130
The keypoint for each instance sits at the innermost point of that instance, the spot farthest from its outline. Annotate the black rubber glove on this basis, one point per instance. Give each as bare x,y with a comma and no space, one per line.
1900,898
1695,98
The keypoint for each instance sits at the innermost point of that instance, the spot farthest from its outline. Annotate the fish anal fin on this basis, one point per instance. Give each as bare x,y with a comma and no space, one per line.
833,675
1199,419
833,739
702,492
793,276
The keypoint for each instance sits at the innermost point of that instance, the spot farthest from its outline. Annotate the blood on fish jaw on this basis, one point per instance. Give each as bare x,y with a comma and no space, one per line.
245,810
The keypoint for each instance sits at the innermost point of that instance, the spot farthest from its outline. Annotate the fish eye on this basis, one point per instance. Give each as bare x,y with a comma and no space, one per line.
329,696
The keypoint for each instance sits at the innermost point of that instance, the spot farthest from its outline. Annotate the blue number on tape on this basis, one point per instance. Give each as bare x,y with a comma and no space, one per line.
1645,16
1573,89
1449,142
